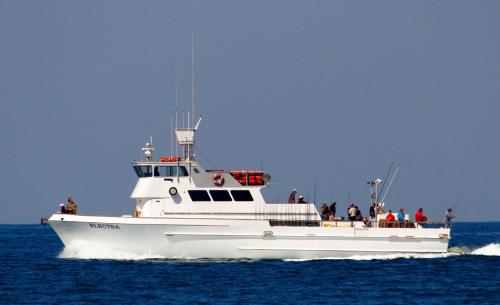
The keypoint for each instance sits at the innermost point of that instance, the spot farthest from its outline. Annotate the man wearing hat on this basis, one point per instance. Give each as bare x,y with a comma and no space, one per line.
301,200
70,207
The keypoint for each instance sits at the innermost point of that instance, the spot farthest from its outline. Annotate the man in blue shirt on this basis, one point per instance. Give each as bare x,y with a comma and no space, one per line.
401,218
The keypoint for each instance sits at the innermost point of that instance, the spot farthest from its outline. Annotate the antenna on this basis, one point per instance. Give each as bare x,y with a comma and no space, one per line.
171,136
151,126
314,200
176,105
192,74
151,136
198,123
185,135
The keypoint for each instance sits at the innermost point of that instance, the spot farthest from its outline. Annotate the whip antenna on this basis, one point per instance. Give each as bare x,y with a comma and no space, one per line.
192,76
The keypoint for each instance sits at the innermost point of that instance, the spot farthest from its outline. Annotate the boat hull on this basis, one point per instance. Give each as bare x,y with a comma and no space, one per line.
233,238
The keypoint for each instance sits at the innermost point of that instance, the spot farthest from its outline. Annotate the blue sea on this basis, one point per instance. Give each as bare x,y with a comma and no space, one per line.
35,269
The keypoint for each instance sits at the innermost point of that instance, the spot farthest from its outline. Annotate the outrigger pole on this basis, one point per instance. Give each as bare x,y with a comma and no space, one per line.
390,183
385,179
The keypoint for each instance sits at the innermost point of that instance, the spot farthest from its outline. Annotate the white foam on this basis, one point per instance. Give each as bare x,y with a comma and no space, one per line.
489,250
82,250
380,257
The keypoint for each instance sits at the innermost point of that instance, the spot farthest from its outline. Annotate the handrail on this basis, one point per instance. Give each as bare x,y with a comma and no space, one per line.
386,224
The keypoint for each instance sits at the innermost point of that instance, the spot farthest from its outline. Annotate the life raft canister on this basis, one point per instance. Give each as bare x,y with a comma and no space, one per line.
170,159
218,180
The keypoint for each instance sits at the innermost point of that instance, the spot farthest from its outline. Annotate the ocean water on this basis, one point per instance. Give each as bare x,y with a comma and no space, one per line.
36,269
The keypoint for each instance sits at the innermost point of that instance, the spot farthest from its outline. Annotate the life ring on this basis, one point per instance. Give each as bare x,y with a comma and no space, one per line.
218,180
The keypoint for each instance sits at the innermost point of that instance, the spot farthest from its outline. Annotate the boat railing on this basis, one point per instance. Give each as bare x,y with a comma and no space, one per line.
385,224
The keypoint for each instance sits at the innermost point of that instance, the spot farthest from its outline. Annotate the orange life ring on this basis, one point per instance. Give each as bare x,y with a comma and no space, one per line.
218,180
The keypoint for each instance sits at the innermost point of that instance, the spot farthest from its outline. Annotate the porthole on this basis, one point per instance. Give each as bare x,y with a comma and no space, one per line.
172,191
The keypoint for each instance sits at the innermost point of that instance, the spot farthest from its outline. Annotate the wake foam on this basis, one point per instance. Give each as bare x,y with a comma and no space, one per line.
379,257
81,250
489,250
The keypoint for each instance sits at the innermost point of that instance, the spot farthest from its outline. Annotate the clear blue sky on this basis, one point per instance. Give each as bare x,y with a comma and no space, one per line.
325,91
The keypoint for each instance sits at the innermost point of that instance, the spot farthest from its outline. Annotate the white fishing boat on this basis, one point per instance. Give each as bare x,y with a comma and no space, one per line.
182,210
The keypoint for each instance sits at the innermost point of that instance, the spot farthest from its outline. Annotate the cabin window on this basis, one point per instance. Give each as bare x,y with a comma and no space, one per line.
143,170
242,195
218,195
170,171
182,171
199,195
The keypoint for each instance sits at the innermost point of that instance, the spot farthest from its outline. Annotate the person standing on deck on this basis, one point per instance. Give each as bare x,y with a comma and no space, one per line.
351,212
325,211
401,217
448,216
333,210
372,212
291,198
358,216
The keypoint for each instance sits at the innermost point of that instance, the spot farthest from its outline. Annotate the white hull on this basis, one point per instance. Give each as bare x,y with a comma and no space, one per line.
245,238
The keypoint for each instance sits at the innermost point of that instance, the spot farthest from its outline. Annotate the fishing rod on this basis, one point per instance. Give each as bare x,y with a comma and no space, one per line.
467,207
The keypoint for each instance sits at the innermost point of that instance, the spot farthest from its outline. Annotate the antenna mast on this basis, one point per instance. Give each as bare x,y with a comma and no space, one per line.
176,105
192,76
185,135
171,136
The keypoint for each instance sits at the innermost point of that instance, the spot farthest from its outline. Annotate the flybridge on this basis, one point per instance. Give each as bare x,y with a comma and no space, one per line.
186,166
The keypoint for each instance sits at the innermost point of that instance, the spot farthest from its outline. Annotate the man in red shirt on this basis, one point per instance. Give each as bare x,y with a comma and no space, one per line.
420,217
390,219
390,216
